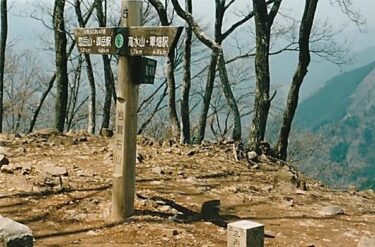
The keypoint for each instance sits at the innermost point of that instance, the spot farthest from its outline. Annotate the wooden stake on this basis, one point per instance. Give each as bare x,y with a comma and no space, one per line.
123,189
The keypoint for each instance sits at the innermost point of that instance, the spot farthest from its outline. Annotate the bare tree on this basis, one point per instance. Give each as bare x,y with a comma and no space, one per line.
109,80
300,73
169,71
264,19
221,7
186,85
90,76
61,64
3,43
217,49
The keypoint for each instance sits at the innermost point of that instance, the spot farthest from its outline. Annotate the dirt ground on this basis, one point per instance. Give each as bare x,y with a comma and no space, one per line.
60,186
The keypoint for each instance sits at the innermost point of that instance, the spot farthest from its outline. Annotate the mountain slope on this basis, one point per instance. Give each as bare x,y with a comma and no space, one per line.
343,114
331,103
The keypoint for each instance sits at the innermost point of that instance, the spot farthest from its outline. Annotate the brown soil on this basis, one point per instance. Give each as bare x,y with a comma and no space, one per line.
173,181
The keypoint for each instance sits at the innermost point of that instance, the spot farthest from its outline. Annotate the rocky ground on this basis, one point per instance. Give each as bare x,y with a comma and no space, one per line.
60,186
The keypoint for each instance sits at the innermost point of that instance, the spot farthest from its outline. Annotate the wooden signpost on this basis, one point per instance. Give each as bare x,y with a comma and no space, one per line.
130,42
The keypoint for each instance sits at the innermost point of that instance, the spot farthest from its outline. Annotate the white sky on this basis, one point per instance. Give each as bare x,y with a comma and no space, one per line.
295,7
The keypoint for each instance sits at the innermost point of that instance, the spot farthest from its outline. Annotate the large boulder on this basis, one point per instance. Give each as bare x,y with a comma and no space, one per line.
14,234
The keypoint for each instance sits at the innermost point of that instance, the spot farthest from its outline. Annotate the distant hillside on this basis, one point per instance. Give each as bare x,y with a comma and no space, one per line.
343,114
330,104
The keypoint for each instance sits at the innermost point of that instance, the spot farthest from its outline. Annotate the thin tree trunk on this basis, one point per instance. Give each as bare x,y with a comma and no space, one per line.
173,117
232,103
3,43
169,71
90,75
263,23
207,97
61,65
42,99
108,74
299,75
186,84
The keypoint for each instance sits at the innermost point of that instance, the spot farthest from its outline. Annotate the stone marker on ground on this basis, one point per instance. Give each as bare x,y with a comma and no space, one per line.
245,233
14,234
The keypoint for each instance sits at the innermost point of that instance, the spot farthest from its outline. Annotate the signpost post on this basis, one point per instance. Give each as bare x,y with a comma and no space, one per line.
130,42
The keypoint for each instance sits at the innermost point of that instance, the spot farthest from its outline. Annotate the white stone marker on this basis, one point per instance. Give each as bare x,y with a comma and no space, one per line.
245,233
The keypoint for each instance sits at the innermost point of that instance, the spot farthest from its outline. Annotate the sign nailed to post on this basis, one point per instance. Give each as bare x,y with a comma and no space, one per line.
131,41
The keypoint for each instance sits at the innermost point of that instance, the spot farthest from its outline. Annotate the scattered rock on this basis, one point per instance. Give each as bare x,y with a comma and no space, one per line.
352,189
157,170
170,233
191,152
369,194
252,155
300,192
366,242
191,180
26,170
55,171
15,234
3,160
268,188
331,210
269,234
7,169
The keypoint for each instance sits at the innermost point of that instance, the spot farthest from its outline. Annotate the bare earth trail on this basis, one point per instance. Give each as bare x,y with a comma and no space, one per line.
60,186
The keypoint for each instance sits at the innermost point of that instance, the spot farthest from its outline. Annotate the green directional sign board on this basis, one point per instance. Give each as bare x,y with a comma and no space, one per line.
132,41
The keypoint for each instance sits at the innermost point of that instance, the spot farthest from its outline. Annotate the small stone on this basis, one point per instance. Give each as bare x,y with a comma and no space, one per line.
3,160
252,155
171,233
300,192
191,152
55,171
352,189
191,180
269,234
6,169
157,170
268,188
331,210
26,170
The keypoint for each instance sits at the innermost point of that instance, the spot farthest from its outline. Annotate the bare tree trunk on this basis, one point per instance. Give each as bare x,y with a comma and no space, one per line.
217,49
186,85
299,75
3,43
61,65
207,97
108,74
90,75
263,23
173,118
236,134
169,71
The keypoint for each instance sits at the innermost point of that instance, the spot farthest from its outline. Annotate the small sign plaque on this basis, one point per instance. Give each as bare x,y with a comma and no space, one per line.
146,69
